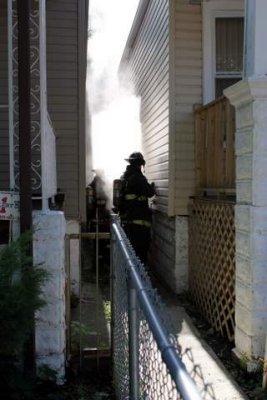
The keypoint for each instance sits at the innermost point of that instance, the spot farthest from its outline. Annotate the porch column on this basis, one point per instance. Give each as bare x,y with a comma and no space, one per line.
250,100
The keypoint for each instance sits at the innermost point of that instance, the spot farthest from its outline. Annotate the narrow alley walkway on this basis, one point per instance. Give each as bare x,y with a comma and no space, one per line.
208,372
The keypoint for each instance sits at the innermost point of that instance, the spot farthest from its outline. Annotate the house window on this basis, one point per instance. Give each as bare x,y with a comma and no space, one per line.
229,34
223,27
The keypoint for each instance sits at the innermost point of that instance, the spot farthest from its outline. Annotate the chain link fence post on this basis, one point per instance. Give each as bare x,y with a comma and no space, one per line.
133,342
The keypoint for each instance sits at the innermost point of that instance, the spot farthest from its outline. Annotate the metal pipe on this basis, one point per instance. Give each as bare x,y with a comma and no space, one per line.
24,88
179,374
133,343
43,101
80,300
97,287
24,85
10,94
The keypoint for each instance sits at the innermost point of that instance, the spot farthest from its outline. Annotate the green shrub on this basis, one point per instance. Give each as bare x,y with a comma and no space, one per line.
20,294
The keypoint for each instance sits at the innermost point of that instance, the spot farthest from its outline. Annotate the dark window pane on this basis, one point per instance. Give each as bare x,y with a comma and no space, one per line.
229,45
223,83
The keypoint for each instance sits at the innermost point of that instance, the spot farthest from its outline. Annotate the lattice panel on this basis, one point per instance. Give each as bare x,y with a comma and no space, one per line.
212,263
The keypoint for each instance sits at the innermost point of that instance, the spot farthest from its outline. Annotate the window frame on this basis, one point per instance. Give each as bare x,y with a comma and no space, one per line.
210,11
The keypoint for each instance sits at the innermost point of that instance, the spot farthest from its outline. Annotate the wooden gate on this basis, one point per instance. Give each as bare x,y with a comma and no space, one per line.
211,226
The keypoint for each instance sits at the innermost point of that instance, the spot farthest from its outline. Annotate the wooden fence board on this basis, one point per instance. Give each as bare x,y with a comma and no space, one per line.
214,139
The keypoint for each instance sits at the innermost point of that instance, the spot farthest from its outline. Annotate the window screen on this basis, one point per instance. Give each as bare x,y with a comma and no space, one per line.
229,52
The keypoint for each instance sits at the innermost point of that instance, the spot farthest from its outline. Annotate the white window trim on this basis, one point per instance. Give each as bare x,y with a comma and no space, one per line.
211,10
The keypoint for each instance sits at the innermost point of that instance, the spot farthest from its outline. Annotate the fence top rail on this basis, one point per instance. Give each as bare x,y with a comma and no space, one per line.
200,107
178,372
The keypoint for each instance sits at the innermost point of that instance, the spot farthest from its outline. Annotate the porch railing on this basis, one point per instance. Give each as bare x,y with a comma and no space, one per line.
214,144
43,157
146,362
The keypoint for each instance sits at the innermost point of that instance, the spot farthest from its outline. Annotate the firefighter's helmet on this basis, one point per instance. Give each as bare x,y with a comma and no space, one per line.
136,158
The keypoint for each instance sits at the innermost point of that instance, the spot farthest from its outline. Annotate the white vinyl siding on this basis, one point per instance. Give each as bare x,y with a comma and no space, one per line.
148,67
188,91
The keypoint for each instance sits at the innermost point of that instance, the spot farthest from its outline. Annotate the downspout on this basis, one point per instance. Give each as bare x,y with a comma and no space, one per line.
10,95
24,95
24,88
43,100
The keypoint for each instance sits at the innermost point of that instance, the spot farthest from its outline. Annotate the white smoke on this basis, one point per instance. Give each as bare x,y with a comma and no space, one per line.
115,126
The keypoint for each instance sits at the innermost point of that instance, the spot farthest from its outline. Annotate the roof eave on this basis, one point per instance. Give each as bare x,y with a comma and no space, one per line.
138,19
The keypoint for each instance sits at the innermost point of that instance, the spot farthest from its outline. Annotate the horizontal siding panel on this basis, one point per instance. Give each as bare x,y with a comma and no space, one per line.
58,65
69,130
162,183
151,33
63,100
54,57
192,71
161,175
186,9
63,91
188,54
148,66
189,62
148,105
61,18
188,36
152,101
157,143
62,72
185,147
153,71
188,98
64,108
58,6
158,152
160,127
186,137
188,89
189,45
163,158
189,20
162,192
59,84
69,40
188,81
157,167
185,174
157,81
187,184
70,49
63,117
157,135
155,120
191,91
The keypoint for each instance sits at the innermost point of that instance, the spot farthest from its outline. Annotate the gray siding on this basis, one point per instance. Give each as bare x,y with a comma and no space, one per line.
188,91
162,252
148,67
65,98
4,148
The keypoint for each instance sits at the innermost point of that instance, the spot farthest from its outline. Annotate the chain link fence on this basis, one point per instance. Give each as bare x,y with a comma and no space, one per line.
147,363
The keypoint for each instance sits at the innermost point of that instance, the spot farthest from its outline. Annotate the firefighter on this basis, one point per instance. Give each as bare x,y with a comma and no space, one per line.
134,209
